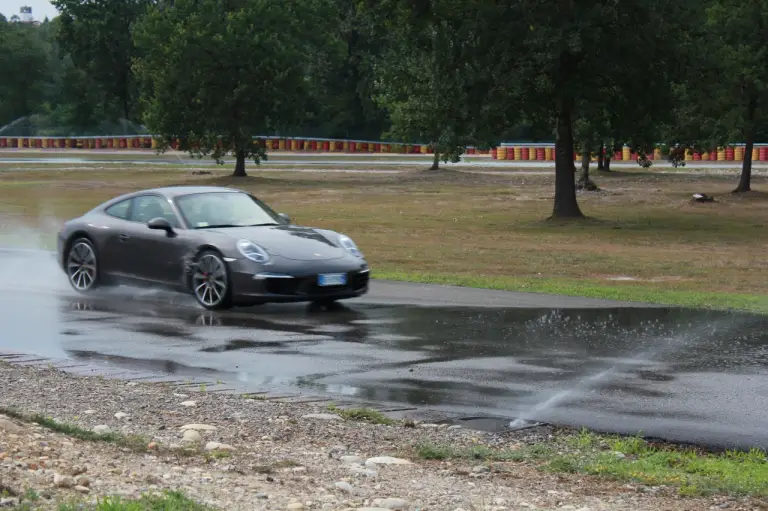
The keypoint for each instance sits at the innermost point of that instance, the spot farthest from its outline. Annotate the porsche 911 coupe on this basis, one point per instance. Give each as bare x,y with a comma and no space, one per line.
224,246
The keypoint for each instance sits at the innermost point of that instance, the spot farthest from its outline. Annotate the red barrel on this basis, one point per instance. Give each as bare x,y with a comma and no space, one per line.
617,156
98,143
633,156
352,147
729,153
326,145
525,154
713,155
510,152
493,153
763,154
124,143
3,142
696,156
540,153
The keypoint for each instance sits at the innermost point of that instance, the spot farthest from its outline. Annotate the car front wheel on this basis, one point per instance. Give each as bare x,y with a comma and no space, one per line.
210,281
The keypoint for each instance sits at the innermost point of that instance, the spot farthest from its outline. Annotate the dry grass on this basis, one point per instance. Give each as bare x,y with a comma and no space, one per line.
484,230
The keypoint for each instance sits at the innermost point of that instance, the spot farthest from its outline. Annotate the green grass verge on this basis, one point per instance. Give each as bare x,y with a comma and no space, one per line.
629,459
170,501
628,293
133,442
166,501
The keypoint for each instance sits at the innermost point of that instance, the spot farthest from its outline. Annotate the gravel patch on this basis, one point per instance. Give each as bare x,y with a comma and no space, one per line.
248,454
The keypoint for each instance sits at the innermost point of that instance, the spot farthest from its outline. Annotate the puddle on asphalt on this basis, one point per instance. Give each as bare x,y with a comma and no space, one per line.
656,363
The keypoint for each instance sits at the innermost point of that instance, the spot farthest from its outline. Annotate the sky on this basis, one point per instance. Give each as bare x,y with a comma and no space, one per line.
40,8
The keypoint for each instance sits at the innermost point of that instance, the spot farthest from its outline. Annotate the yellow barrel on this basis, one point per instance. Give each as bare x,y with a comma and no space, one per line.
281,145
720,154
518,152
372,148
68,143
626,154
688,155
19,143
738,153
755,154
423,149
501,153
346,146
549,154
45,143
705,156
294,144
154,143
657,154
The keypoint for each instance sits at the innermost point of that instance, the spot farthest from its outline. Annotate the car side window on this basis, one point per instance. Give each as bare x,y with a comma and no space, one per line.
119,210
147,207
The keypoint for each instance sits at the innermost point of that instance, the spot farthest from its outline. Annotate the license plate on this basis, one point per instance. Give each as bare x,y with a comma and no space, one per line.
332,279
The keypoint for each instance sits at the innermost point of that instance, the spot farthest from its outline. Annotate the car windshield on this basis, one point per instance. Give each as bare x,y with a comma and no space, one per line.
225,209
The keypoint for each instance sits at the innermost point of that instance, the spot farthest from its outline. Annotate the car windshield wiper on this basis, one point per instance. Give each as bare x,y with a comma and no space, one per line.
261,225
217,226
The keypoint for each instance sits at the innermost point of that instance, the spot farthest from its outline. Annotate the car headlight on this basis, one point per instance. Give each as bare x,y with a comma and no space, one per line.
347,243
252,251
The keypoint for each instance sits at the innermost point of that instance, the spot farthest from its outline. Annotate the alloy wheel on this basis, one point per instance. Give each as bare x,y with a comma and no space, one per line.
81,266
209,280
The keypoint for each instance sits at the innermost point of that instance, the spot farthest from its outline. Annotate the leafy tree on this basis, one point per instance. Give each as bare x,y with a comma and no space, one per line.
24,62
213,74
432,77
344,105
588,57
97,36
738,39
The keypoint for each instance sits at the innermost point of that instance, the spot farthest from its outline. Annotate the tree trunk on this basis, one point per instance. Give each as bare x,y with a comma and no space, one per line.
745,181
435,161
566,205
585,183
239,164
601,157
607,164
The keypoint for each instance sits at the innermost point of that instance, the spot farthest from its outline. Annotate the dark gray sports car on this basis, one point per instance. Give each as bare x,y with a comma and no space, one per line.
223,245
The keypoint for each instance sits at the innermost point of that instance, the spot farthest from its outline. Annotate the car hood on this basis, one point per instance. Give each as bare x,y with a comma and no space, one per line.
288,241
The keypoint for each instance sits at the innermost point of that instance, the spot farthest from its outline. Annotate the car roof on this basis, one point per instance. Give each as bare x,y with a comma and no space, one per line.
178,191
169,192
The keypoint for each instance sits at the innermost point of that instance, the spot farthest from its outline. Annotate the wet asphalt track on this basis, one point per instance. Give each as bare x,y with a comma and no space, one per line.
680,375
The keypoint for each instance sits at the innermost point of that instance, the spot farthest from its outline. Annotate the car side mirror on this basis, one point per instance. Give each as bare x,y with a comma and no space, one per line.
161,224
285,217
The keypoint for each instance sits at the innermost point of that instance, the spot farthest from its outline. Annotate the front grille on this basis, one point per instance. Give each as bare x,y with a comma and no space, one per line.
308,285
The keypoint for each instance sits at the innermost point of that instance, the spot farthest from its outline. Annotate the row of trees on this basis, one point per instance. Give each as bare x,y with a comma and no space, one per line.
593,75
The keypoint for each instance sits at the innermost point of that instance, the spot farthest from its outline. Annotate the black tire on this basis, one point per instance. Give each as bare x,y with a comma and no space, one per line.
81,264
209,273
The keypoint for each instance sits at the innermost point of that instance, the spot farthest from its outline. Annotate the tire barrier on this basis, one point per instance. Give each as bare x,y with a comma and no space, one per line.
508,151
546,152
273,144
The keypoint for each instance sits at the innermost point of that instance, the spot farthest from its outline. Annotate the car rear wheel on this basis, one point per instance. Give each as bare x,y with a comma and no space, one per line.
210,281
82,265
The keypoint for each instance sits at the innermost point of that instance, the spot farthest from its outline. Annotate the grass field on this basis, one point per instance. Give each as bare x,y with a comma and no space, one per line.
474,229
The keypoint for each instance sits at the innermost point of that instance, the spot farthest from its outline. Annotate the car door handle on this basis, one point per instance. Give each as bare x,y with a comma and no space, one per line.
124,237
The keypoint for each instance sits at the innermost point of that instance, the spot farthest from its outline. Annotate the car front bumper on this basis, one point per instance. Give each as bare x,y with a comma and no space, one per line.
296,282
